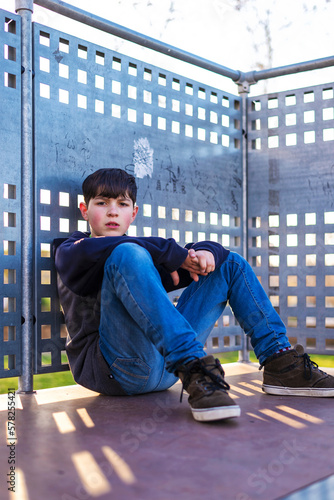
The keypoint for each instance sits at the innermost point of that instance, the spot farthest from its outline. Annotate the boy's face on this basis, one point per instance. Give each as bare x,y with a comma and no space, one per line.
109,216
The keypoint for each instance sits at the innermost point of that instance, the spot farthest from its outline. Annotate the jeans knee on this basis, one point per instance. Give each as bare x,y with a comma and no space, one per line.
128,253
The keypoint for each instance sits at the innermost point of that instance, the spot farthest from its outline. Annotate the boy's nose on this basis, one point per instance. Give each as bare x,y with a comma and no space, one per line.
112,210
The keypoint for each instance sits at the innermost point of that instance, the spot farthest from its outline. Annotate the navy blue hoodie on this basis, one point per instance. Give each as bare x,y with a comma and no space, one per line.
80,263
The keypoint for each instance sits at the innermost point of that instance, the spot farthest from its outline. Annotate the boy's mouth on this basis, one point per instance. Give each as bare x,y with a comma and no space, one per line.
112,224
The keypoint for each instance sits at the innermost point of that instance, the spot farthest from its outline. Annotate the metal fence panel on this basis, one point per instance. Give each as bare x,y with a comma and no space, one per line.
10,195
96,108
291,209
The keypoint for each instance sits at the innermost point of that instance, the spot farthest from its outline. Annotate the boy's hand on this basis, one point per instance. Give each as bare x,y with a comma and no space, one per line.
200,262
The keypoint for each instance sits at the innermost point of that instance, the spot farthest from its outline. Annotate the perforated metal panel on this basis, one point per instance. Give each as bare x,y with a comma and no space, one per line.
291,209
95,108
10,194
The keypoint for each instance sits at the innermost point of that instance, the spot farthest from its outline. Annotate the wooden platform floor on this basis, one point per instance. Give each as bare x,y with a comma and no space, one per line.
74,444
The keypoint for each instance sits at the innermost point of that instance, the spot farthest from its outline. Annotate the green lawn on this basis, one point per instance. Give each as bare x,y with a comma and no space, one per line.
59,379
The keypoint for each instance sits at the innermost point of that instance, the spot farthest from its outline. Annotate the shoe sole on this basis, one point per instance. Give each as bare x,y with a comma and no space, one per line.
216,413
298,391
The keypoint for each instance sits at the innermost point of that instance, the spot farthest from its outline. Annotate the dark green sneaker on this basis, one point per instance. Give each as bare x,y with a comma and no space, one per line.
203,379
292,373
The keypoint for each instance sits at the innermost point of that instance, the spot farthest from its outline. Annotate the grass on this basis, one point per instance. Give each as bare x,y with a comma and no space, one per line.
59,379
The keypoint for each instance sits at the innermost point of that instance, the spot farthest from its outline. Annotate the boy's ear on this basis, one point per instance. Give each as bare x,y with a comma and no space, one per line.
83,210
134,213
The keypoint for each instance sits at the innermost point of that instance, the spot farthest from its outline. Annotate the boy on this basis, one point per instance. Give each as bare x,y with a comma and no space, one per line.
124,335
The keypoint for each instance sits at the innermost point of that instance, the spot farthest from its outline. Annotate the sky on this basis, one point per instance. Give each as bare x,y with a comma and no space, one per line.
239,34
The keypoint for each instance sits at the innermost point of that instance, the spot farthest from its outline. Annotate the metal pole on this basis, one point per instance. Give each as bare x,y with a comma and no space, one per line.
133,36
244,89
25,8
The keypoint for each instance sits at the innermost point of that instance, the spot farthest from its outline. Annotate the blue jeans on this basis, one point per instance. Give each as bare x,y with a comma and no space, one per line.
144,337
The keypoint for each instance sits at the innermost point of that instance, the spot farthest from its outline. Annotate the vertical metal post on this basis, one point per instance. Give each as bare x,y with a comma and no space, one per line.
243,92
25,8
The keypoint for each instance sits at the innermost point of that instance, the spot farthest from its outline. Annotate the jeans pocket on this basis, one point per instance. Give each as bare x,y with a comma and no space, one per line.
131,373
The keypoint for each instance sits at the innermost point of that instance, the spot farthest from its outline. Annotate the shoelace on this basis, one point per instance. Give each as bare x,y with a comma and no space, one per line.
216,382
309,365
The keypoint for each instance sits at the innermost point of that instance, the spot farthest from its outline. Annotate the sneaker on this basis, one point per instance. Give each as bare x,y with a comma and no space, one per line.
292,373
203,379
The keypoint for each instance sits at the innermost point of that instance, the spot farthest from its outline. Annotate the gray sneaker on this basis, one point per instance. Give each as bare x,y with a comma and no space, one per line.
203,379
292,373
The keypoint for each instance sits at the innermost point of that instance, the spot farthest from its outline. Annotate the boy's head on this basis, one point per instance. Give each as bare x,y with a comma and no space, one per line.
109,183
109,206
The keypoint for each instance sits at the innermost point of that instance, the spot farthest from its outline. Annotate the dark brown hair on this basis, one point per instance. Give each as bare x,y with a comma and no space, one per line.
109,183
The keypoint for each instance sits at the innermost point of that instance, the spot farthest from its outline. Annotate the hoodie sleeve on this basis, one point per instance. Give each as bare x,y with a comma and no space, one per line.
80,260
219,252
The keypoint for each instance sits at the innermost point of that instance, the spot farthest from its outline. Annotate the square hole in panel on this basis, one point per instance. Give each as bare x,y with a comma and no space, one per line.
175,127
273,281
45,304
147,75
82,76
82,51
225,220
99,82
162,80
274,260
214,97
189,132
63,331
188,238
132,69
201,236
201,217
328,114
45,331
213,218
329,322
116,87
273,240
309,96
9,219
214,237
45,250
256,222
82,226
273,220
64,45
329,217
310,219
213,137
44,38
292,322
225,240
309,137
162,232
45,277
9,191
176,235
274,299
9,304
292,280
290,100
256,261
291,139
64,70
225,140
44,90
10,80
311,301
132,92
311,280
256,241
82,101
225,121
116,64
132,115
329,280
115,110
161,212
311,343
256,105
327,93
176,84
162,101
328,134
9,276
292,301
147,119
309,116
132,231
9,361
213,117
256,143
290,119
225,102
99,107
237,221
147,231
292,240
272,121
44,64
45,196
189,89
188,215
273,141
272,103
201,93
99,58
45,223
329,301
64,225
329,344
147,97
310,239
201,113
175,214
9,333
189,110
64,199
292,220
161,123
329,238
310,322
46,358
147,210
292,260
311,260
256,124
